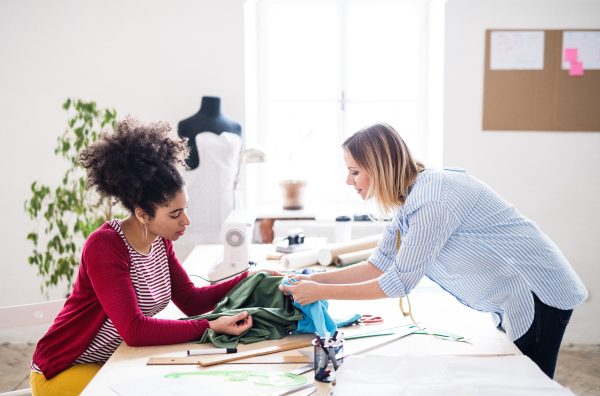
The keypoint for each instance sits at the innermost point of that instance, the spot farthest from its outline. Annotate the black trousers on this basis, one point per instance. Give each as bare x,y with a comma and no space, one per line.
541,342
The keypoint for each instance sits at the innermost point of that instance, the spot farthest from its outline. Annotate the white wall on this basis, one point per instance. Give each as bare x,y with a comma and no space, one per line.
551,177
153,59
156,59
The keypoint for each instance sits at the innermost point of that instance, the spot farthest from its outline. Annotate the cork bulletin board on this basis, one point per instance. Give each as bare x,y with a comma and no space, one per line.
546,97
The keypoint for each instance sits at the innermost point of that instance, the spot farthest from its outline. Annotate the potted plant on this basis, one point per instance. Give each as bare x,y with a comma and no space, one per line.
69,213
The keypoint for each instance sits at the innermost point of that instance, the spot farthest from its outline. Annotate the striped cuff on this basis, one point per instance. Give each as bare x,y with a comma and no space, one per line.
380,260
34,367
391,284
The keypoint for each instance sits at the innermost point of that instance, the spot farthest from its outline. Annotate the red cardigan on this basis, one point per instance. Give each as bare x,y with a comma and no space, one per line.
103,289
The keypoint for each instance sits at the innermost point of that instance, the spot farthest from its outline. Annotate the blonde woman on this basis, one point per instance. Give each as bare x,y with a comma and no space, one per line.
458,232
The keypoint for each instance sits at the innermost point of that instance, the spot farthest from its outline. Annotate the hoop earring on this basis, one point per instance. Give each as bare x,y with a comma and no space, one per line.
145,232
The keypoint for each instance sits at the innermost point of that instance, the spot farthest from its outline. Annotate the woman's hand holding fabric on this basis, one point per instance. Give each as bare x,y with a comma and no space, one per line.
300,277
297,277
303,291
231,325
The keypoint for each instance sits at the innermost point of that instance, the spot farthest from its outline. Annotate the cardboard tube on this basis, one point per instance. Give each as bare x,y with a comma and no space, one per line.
300,259
354,257
329,253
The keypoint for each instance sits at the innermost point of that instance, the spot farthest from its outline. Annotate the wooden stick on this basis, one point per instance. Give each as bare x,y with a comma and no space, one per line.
209,361
484,355
397,336
193,360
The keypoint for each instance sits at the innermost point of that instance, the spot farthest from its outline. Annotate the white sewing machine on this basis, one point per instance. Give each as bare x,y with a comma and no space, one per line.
236,237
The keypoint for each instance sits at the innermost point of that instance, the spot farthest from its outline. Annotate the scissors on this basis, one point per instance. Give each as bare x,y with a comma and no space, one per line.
366,320
371,319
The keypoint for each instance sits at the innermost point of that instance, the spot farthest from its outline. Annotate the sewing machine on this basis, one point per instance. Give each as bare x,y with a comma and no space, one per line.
236,237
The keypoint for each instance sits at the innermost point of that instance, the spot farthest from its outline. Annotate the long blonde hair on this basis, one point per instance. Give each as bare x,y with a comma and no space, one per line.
391,167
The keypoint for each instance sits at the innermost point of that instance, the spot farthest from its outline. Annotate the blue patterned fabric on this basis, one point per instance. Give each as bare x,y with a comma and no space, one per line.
462,235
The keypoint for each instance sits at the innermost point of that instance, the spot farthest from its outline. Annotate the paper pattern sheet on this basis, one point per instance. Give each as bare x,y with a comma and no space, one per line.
517,50
158,385
444,375
588,48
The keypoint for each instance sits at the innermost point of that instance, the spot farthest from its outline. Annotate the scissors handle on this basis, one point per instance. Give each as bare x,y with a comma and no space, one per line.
371,319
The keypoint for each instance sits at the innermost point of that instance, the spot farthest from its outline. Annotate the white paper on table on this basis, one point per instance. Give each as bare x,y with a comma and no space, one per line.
517,50
588,48
444,375
158,385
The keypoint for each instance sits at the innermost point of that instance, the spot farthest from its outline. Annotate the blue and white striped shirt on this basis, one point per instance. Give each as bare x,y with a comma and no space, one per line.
462,235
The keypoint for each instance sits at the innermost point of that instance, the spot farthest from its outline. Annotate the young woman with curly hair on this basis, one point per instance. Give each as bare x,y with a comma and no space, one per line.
128,271
454,229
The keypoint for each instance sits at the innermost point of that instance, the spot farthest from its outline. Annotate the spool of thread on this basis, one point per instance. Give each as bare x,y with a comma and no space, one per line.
329,253
354,257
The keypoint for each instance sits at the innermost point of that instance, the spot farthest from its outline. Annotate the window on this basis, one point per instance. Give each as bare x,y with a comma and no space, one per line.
318,71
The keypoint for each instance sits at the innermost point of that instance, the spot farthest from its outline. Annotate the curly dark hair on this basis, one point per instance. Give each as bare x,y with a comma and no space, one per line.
138,164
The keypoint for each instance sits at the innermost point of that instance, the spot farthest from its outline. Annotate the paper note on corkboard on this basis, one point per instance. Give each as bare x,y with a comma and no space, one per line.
586,44
512,50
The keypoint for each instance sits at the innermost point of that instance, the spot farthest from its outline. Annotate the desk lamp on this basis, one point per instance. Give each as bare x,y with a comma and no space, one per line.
250,156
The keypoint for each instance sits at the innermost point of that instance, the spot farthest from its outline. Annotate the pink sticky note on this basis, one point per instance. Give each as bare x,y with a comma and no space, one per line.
570,54
576,69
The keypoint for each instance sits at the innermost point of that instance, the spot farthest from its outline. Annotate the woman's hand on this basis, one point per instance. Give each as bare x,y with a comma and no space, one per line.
272,272
231,325
297,277
303,291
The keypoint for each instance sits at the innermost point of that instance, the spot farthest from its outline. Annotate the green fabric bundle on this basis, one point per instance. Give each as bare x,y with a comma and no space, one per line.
273,313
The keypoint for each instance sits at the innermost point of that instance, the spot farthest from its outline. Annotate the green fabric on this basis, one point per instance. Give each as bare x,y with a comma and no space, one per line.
273,314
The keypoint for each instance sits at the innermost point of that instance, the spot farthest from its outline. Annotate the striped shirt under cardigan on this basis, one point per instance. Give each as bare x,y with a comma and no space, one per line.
462,235
117,282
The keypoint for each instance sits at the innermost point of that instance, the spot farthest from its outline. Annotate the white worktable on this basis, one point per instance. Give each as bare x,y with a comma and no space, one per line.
431,308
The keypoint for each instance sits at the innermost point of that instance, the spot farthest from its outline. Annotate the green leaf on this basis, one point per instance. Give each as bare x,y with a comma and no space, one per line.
32,236
67,104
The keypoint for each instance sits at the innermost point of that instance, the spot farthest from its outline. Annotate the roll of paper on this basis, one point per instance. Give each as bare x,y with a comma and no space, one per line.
354,257
330,253
300,259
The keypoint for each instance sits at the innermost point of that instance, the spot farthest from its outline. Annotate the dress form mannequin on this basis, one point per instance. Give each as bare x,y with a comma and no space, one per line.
214,159
208,119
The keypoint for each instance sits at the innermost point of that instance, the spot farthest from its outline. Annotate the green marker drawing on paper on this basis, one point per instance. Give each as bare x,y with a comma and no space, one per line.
271,378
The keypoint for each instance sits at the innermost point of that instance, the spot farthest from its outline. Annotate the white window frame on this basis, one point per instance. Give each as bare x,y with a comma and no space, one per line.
431,80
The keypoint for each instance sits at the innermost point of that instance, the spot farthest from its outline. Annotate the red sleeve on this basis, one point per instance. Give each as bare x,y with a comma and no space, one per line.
192,300
107,262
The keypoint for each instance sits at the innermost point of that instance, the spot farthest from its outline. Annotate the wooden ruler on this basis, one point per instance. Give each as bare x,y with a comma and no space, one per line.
484,355
193,360
212,360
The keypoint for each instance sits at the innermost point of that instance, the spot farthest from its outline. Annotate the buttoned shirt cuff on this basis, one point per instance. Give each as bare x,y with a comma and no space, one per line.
391,284
381,261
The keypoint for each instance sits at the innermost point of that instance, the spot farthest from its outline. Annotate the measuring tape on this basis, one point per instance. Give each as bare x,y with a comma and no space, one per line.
409,313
